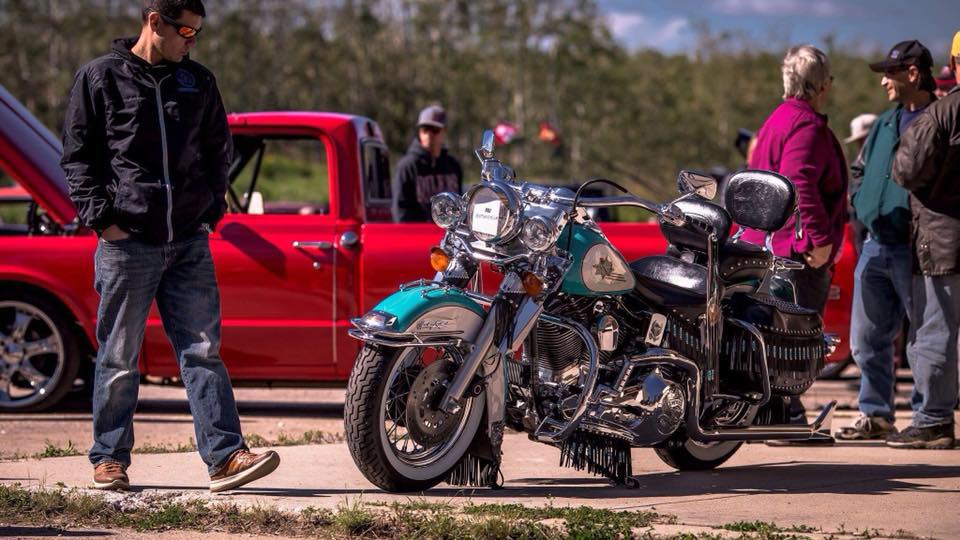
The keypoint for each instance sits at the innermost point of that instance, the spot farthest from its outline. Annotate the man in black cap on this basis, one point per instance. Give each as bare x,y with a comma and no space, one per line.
928,164
882,280
426,169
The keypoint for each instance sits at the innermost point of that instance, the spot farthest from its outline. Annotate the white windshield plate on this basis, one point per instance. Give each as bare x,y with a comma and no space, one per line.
486,217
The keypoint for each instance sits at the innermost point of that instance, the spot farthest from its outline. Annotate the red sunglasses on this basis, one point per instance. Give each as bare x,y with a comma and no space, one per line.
184,31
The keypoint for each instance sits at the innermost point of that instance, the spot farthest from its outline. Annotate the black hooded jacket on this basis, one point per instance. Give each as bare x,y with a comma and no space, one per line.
146,147
418,178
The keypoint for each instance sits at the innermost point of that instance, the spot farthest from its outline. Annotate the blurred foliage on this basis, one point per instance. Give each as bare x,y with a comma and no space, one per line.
636,117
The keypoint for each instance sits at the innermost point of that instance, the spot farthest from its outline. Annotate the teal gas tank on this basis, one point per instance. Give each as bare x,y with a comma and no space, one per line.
598,269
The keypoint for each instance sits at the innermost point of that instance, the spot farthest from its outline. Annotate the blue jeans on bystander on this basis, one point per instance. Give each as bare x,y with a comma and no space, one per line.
129,275
932,348
881,297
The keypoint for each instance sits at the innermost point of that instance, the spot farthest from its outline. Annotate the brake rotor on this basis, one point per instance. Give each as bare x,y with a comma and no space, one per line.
426,424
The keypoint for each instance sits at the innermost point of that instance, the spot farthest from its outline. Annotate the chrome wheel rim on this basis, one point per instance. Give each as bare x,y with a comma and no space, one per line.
32,355
393,411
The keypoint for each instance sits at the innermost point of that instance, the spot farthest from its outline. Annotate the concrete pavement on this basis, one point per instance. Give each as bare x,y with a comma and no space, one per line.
851,487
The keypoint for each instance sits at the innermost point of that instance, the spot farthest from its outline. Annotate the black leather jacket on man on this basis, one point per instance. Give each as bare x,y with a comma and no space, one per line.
928,164
146,148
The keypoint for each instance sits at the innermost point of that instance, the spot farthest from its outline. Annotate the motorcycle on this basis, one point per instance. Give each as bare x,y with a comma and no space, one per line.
690,353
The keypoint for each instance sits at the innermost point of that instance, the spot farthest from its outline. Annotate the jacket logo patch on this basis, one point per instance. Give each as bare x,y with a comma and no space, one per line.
188,83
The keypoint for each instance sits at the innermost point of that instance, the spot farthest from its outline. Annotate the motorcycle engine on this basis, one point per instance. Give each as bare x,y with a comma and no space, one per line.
559,352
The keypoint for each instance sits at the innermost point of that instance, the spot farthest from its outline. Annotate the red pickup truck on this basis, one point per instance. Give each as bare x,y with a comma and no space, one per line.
307,244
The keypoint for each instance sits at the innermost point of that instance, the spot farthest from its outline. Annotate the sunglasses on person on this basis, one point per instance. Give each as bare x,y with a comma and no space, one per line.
184,31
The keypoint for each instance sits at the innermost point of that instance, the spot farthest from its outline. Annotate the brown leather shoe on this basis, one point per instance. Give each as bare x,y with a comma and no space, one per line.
243,467
110,475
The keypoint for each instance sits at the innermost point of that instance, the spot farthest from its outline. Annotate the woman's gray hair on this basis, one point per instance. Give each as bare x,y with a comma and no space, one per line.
806,70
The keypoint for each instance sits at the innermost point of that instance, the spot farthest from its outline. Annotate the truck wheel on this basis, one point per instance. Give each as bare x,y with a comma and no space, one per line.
39,353
685,454
379,401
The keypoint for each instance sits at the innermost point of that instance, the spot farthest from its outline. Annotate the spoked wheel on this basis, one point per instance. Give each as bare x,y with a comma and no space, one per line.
39,355
685,454
398,438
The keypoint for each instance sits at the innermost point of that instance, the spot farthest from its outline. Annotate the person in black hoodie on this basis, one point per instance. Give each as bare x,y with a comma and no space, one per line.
426,169
146,153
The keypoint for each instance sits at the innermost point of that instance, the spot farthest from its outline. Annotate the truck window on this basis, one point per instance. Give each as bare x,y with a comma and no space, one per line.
375,160
279,175
13,206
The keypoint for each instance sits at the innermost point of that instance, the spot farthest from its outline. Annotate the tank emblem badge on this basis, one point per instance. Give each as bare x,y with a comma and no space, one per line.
605,271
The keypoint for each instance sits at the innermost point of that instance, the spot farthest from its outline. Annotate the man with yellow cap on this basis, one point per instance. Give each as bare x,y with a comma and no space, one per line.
928,165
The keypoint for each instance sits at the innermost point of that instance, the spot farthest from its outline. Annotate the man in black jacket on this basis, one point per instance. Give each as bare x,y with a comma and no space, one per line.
426,170
928,164
146,152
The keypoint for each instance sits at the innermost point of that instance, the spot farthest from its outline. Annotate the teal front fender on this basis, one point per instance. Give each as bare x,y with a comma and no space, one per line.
422,314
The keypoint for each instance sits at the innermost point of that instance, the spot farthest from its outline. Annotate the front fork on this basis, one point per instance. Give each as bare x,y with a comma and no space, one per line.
485,349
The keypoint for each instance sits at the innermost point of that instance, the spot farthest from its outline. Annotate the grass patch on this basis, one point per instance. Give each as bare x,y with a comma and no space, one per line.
52,450
767,530
66,508
580,522
164,448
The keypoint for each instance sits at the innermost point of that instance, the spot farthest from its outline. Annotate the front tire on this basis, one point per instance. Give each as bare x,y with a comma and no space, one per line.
374,418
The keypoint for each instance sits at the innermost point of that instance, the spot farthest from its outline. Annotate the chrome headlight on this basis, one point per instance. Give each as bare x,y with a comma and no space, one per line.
447,210
539,234
493,213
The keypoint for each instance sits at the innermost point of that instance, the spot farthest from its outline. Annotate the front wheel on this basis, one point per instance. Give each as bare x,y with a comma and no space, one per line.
389,386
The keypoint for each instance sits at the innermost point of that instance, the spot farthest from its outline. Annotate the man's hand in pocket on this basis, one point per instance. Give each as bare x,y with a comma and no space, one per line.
113,233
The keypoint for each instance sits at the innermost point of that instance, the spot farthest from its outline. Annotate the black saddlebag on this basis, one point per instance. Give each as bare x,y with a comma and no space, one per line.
792,336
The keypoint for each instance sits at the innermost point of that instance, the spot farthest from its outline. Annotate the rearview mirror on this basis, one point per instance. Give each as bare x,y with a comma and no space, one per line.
694,182
485,151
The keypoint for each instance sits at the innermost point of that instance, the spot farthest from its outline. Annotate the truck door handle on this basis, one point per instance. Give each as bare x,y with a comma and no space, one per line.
319,244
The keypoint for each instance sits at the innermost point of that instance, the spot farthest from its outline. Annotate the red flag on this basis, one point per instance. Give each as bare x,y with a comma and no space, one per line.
549,134
504,132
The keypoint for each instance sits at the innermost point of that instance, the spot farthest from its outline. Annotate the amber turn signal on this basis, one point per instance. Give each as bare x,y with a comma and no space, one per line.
439,260
532,284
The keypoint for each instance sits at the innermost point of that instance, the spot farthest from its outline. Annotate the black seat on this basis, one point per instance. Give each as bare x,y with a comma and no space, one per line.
742,261
672,283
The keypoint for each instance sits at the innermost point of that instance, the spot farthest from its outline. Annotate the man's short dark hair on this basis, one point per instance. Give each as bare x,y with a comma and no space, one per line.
172,8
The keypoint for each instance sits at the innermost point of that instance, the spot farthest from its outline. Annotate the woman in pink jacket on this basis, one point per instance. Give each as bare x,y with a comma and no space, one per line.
796,142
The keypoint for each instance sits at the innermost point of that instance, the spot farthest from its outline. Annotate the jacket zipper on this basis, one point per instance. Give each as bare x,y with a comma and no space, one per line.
166,165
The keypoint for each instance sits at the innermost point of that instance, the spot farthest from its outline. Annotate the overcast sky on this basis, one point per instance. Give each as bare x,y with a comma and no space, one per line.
862,25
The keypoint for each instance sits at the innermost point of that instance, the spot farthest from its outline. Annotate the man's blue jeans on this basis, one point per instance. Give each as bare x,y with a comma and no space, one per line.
932,348
881,297
129,275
